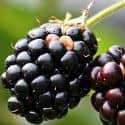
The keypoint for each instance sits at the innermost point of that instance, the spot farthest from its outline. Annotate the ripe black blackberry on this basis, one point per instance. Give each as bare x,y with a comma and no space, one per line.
46,72
108,81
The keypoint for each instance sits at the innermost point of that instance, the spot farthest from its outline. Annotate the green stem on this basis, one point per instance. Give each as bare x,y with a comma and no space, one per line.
101,15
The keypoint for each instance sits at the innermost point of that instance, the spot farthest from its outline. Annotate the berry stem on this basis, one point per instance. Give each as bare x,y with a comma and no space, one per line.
81,20
101,15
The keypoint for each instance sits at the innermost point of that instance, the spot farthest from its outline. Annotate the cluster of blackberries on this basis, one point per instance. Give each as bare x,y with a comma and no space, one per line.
108,81
46,72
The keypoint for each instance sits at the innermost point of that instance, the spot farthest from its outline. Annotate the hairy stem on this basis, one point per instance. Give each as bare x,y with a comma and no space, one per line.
101,15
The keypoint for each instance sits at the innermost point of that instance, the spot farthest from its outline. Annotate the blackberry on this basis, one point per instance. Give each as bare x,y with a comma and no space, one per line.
108,81
46,74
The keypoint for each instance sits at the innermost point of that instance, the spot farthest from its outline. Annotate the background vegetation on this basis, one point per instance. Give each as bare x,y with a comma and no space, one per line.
16,18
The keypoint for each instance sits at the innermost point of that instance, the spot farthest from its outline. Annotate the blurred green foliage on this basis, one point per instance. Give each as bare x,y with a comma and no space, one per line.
15,22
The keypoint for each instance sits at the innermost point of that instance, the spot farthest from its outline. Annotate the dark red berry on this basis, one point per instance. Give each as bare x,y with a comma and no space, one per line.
107,76
97,100
110,74
107,113
94,77
121,117
105,122
115,97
